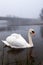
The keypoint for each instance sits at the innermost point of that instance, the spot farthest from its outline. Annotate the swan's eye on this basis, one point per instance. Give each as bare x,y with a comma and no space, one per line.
33,32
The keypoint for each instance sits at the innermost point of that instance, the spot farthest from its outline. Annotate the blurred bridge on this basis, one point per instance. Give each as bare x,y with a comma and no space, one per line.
6,18
13,22
21,21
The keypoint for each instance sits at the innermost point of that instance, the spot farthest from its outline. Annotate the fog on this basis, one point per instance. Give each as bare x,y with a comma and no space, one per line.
21,8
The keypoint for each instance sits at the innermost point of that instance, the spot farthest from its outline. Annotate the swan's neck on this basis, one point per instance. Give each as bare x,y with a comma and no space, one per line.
30,39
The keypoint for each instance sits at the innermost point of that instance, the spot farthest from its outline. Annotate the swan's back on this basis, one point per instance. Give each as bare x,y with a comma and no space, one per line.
15,34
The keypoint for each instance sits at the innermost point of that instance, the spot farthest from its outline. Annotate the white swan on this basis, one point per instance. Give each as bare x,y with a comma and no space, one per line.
17,41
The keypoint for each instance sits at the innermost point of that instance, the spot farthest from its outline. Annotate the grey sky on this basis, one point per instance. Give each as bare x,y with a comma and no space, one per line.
21,8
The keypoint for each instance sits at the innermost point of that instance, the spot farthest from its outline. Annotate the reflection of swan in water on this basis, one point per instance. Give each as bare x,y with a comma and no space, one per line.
17,41
14,51
17,54
30,57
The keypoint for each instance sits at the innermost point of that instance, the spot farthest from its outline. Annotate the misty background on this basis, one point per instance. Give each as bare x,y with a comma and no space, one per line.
15,13
21,8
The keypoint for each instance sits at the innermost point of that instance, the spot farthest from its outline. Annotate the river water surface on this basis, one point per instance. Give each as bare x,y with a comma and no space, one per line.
28,56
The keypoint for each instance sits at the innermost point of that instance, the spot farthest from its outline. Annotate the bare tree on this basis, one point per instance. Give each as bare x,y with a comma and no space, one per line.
41,14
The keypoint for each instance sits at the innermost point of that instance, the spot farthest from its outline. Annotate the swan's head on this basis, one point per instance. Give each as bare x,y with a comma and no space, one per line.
32,31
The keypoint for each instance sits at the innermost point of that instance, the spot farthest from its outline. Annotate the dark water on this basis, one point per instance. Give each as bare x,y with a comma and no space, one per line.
30,56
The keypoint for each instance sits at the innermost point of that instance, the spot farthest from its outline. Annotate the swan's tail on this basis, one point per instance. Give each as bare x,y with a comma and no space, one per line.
5,42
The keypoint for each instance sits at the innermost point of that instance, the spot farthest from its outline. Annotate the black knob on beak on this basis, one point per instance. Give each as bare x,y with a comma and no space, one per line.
33,32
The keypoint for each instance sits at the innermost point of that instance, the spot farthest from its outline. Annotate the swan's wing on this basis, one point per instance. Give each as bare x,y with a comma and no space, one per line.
5,42
16,40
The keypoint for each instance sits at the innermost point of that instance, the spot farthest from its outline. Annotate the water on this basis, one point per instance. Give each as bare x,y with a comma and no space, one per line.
29,56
